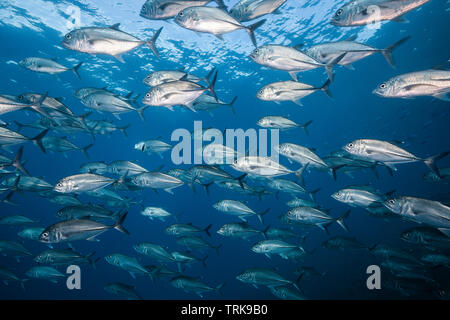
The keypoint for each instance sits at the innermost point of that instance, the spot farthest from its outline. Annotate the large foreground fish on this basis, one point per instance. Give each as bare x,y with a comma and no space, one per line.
213,20
432,213
362,12
435,83
109,40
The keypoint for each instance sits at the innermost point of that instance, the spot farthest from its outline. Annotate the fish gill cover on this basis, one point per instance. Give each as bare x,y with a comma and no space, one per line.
224,150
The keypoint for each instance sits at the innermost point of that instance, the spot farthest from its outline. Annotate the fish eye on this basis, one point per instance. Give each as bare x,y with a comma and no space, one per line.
180,13
148,95
260,91
256,51
383,85
392,201
350,144
339,12
68,36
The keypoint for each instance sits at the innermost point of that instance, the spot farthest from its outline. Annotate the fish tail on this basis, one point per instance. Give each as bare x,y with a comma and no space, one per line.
204,261
261,215
140,112
151,43
85,149
331,64
217,248
251,30
387,53
75,70
231,103
16,163
430,162
240,178
211,86
207,230
299,173
221,5
118,226
22,283
124,130
325,89
334,169
206,78
38,140
340,220
37,107
218,289
264,232
305,127
7,199
312,194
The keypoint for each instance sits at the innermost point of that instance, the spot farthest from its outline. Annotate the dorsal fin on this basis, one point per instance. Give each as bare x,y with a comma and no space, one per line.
115,26
351,38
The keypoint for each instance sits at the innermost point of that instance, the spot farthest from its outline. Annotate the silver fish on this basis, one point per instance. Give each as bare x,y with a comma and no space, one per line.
47,66
246,10
109,40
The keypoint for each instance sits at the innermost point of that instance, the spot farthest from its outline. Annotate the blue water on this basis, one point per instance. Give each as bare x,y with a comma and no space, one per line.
36,28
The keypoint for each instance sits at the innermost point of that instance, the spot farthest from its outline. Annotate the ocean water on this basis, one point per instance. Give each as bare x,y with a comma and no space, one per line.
35,28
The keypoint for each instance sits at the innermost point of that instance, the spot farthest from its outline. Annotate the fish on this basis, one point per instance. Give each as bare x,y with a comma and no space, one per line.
156,213
388,153
238,209
291,59
205,102
246,10
127,263
305,156
298,202
290,187
156,180
427,236
10,138
193,242
179,92
239,230
15,220
97,167
82,182
213,20
167,9
190,284
274,246
342,243
49,66
163,76
155,251
289,91
7,275
187,259
316,217
125,168
14,249
110,103
217,154
85,211
8,105
262,166
287,293
79,229
443,177
45,273
429,212
388,252
282,123
106,40
358,197
180,229
363,12
64,257
153,146
31,233
123,290
264,277
61,144
354,51
433,83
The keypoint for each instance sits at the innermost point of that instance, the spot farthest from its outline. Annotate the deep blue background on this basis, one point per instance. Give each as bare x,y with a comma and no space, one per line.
353,113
